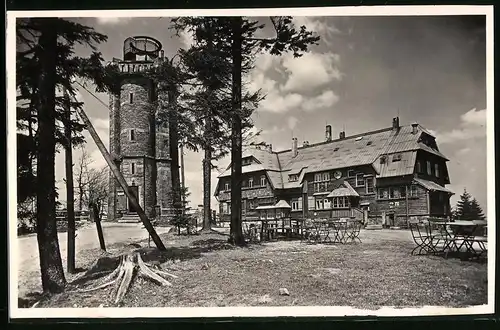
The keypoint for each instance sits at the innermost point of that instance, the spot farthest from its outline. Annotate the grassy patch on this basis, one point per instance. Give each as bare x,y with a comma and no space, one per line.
378,272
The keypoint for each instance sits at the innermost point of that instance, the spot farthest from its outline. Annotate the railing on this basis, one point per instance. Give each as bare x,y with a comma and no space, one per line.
357,213
343,213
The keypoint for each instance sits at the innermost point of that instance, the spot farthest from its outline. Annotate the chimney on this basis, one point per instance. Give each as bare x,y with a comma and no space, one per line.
305,144
294,147
395,123
414,128
342,135
328,133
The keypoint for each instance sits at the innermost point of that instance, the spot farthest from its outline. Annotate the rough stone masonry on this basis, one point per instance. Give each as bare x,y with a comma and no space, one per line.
138,143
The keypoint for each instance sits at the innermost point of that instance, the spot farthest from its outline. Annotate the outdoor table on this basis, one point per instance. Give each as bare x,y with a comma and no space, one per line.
316,230
462,233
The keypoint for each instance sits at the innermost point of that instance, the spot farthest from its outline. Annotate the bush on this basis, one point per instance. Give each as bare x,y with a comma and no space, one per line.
184,221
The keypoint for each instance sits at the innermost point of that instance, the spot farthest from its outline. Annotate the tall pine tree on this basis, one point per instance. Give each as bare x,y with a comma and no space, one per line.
238,37
46,63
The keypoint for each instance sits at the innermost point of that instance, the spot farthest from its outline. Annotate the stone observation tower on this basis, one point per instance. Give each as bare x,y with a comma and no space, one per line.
138,144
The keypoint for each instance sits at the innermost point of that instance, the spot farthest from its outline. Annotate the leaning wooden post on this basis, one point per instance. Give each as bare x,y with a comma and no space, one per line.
121,180
97,219
70,203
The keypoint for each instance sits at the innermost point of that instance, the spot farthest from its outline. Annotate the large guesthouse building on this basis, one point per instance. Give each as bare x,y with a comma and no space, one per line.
380,177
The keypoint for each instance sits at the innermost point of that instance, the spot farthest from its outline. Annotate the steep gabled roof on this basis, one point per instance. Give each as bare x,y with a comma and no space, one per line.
351,151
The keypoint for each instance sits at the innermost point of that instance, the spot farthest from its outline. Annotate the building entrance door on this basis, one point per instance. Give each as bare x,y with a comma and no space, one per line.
135,191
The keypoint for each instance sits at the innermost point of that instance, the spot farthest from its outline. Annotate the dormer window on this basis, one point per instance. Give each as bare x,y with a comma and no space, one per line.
263,181
293,178
250,183
429,168
226,187
436,170
246,161
396,157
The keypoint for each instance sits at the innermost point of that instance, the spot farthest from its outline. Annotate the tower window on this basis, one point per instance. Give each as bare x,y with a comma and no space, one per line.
132,135
131,97
132,168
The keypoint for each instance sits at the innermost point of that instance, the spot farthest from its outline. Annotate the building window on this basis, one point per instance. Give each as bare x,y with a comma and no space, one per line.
351,174
321,181
429,168
226,187
322,203
413,191
369,185
340,202
419,167
131,98
396,157
321,177
436,170
250,183
360,180
251,204
132,135
246,161
297,204
263,180
226,208
132,168
293,178
403,192
394,193
383,193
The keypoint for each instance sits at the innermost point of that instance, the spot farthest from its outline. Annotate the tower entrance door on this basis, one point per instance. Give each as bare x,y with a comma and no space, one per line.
135,191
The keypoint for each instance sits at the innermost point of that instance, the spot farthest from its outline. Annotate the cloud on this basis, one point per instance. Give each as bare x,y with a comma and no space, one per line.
463,151
472,125
110,20
310,71
474,117
279,103
324,100
292,122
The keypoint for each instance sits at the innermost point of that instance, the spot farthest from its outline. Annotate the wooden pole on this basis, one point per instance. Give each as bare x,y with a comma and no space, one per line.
97,219
70,203
121,180
183,179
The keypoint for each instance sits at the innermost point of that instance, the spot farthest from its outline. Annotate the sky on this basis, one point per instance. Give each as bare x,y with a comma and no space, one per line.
365,71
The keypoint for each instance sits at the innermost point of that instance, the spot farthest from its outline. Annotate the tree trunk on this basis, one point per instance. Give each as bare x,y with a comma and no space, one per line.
121,180
236,234
174,153
207,167
51,268
70,193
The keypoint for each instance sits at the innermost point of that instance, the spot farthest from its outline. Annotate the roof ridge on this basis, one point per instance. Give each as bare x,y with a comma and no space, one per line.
337,140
